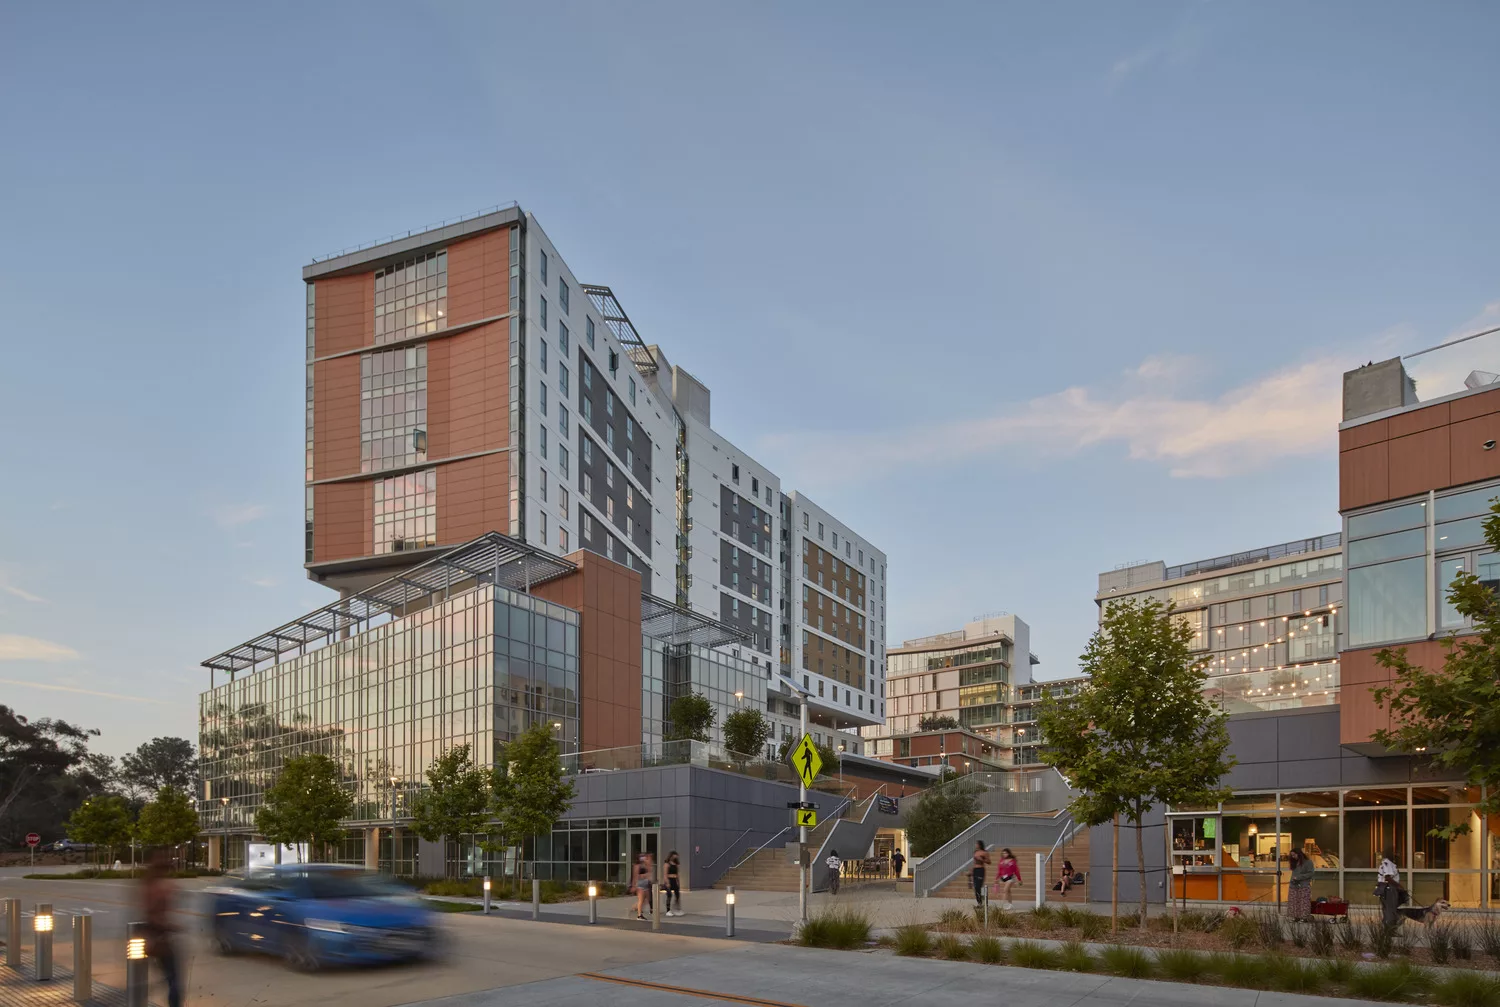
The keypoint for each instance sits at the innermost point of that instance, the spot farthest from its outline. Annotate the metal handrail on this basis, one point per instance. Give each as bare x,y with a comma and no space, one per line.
418,230
727,850
959,844
762,846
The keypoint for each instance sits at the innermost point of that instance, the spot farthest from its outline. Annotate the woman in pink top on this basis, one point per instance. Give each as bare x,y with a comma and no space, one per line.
1007,873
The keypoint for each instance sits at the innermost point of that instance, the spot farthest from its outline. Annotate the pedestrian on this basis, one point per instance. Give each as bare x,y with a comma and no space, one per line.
674,884
1007,874
1299,894
642,883
1067,877
156,896
976,871
1388,888
898,861
835,867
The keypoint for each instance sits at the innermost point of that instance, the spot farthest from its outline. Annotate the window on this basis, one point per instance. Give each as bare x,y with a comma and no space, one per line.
562,539
614,364
588,524
609,474
835,540
411,297
562,337
587,484
562,420
542,314
609,437
542,356
629,428
588,374
562,502
541,440
630,497
630,459
586,406
609,403
405,512
588,332
588,451
1388,602
820,534
629,526
542,527
542,266
392,408
542,482
564,380
804,523
632,391
734,476
562,459
562,294
541,398
609,508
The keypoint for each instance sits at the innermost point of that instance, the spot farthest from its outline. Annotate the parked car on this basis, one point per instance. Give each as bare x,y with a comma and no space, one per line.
68,846
314,915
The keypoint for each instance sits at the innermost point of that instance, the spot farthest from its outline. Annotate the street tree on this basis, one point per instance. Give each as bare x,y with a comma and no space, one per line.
456,800
160,762
40,778
305,804
103,822
168,819
746,732
1140,731
941,813
1452,714
528,791
690,718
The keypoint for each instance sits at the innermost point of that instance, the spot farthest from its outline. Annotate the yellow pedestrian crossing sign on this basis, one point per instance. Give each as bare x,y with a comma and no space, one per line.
806,760
807,818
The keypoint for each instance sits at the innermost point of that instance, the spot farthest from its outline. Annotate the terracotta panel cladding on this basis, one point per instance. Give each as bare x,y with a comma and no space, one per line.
1471,406
1418,463
345,313
1364,476
1365,433
1470,460
477,400
473,498
479,277
1359,715
1418,420
336,418
345,519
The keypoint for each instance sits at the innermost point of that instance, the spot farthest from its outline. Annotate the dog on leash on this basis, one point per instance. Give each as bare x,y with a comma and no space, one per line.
1425,915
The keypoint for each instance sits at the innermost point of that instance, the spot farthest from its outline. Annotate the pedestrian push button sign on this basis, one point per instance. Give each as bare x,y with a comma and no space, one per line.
806,760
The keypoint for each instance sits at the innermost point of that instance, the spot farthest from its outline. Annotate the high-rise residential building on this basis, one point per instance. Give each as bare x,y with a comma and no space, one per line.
463,380
1265,621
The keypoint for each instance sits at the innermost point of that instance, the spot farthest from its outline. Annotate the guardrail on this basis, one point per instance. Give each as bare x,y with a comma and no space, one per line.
945,864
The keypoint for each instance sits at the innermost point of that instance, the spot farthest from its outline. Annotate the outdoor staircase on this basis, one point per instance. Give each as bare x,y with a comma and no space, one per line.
1024,893
768,870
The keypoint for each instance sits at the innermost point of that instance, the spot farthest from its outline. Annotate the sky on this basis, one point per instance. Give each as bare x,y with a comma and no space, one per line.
1023,292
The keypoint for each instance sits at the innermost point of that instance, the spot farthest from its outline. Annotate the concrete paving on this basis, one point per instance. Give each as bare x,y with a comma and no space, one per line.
804,977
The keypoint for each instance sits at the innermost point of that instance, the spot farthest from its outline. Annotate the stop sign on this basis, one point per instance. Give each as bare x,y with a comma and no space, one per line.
32,839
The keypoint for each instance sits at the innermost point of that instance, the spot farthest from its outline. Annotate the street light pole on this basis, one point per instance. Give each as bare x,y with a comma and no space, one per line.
802,866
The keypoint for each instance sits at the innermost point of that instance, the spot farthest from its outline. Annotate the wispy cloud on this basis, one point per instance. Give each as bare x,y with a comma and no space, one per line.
82,692
1287,413
30,648
234,515
21,592
1180,45
264,581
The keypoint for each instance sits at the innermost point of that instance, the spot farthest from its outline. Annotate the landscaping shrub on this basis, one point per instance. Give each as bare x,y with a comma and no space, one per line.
1238,931
1031,955
1001,919
1074,957
1322,939
1440,942
956,919
1392,981
841,928
471,887
1067,916
1468,989
913,939
1489,937
1128,920
1199,922
952,947
1091,926
1181,964
1299,934
1463,942
987,949
1123,960
1348,936
1044,918
1268,930
1380,937
1338,970
1249,971
1295,975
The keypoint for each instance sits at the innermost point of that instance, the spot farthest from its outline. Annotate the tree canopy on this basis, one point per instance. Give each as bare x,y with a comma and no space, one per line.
456,801
1452,714
941,813
690,718
43,775
1140,732
168,819
305,804
103,822
746,732
529,791
937,722
160,762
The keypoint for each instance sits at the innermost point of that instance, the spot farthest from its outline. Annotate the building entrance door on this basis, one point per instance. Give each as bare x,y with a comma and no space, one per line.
645,841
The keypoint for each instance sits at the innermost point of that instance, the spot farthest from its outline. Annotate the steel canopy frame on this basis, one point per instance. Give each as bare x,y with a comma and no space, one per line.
620,324
675,625
490,559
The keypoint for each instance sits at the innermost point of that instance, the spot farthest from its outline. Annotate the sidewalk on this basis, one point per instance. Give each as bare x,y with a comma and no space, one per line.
19,989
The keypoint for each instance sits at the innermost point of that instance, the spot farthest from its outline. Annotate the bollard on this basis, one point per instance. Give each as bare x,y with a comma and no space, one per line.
83,957
593,903
655,916
137,976
729,911
985,906
486,895
41,953
1041,886
536,898
13,933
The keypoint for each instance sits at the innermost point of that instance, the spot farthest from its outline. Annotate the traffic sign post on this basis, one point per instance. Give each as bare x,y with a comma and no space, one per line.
807,762
32,839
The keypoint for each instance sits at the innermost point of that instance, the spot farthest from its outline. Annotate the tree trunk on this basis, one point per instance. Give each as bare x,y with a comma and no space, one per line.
1114,879
1140,863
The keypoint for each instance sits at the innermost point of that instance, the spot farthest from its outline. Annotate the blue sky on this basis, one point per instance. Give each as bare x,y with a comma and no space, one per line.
1026,291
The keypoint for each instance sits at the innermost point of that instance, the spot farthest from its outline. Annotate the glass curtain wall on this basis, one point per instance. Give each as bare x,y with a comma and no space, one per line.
1237,852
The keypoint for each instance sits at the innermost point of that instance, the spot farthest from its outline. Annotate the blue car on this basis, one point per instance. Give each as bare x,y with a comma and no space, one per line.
315,915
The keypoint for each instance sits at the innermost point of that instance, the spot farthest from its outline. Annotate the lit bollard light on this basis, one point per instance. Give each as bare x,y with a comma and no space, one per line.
136,965
593,903
83,957
729,911
536,898
486,895
13,933
41,953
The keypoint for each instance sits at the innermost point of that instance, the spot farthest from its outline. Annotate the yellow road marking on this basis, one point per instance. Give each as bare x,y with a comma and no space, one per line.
686,991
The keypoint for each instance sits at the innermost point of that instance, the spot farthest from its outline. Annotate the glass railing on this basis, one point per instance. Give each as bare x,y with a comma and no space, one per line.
1280,689
688,753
